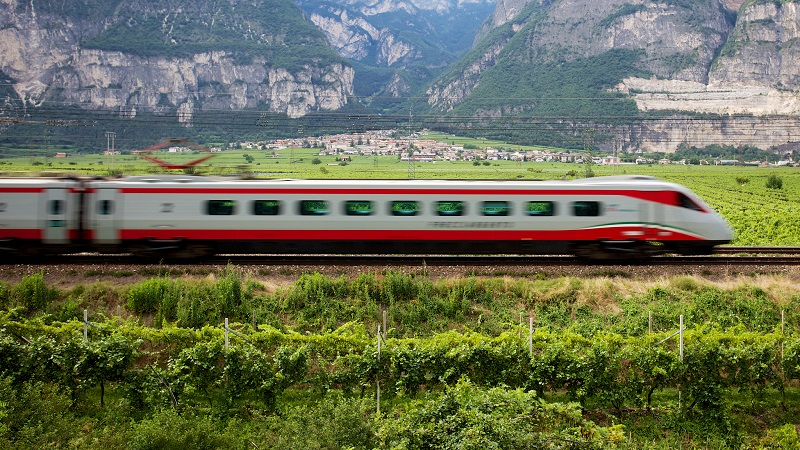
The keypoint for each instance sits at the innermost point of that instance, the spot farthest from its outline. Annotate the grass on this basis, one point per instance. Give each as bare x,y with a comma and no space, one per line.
420,304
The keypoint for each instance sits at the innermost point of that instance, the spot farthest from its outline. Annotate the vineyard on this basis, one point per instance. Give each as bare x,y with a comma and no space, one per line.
600,364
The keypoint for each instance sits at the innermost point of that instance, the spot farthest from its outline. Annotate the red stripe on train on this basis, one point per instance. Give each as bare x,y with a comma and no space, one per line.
614,233
20,190
21,233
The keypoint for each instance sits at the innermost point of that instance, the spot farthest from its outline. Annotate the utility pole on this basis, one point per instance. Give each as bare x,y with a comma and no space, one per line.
111,138
412,170
300,131
588,143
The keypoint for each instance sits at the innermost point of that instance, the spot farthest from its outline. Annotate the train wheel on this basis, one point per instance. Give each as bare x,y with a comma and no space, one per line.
193,251
628,251
175,251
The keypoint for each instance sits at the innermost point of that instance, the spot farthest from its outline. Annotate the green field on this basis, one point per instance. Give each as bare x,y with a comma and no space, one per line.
760,216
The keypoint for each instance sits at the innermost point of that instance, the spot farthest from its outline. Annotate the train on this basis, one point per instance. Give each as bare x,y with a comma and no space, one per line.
187,216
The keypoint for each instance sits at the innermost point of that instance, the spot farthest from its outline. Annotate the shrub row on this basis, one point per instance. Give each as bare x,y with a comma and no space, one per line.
176,365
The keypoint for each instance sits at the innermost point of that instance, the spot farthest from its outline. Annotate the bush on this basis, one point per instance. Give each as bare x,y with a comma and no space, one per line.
230,292
468,417
168,430
147,296
5,295
197,306
37,415
32,293
338,422
774,182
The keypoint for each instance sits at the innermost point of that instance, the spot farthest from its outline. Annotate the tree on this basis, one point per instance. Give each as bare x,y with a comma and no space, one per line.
774,182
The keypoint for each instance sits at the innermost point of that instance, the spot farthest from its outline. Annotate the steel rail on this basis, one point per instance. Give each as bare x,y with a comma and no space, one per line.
766,256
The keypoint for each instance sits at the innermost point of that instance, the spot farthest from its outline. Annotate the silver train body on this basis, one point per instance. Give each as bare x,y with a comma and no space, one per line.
188,216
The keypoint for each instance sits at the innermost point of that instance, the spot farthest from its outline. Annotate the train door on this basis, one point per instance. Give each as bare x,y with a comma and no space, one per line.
56,212
651,216
105,211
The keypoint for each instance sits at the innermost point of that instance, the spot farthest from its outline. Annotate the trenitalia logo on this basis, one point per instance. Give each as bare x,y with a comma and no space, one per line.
477,225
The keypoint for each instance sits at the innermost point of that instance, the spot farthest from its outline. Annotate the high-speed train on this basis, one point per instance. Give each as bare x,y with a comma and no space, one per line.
191,216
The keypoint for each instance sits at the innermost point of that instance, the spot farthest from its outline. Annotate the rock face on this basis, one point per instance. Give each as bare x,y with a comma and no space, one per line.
665,135
42,52
212,81
762,50
678,40
724,57
736,60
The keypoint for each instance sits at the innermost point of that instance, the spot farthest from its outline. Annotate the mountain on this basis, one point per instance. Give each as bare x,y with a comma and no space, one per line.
622,74
632,73
175,57
397,46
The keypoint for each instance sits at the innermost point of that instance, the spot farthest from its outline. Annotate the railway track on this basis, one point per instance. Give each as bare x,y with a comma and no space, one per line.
731,256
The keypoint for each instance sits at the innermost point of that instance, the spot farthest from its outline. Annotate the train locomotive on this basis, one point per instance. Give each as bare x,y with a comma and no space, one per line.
182,216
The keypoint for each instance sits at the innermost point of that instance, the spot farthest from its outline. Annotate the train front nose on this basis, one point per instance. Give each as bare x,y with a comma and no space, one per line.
721,231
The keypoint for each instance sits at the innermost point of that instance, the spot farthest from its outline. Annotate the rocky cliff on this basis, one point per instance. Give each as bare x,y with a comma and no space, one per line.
675,40
151,56
757,71
563,60
733,58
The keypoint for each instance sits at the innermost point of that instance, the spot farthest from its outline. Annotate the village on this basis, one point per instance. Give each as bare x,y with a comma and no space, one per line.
416,147
420,149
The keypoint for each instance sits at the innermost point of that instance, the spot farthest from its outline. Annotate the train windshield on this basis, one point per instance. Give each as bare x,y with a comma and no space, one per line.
685,202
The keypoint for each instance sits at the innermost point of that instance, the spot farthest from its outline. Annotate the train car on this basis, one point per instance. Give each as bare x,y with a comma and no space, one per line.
40,215
599,218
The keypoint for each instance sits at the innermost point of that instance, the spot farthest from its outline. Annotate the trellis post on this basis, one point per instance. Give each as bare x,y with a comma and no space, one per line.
377,377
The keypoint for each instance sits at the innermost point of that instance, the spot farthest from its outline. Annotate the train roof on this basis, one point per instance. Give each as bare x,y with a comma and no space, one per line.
608,182
36,182
620,180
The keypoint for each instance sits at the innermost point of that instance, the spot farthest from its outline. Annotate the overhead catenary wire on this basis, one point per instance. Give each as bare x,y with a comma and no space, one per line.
57,115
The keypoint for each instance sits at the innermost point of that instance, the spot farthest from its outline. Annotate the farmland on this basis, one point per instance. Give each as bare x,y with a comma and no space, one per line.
458,363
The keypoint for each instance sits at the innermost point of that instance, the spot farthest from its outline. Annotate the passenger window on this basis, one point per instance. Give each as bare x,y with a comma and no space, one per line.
220,207
359,207
314,208
105,207
495,208
266,207
405,208
586,209
540,208
450,208
56,207
686,202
